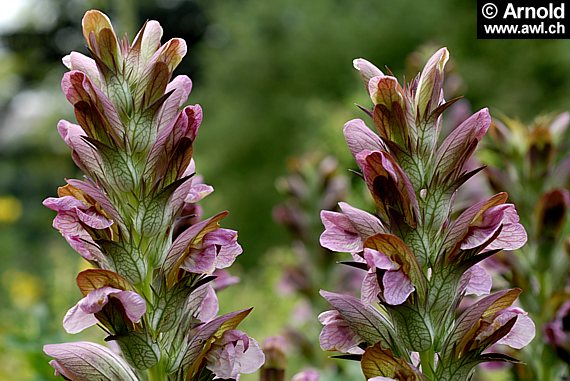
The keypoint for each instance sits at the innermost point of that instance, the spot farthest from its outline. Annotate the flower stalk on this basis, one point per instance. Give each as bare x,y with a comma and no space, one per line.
155,263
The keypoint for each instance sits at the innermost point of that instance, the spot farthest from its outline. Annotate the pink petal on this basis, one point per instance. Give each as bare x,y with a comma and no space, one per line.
378,260
397,287
366,69
198,192
477,281
339,234
370,289
336,334
209,307
84,361
78,61
93,219
363,222
76,320
361,138
200,261
64,204
522,332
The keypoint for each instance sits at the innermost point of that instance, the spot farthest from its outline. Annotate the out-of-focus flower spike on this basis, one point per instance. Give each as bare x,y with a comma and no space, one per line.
551,214
559,126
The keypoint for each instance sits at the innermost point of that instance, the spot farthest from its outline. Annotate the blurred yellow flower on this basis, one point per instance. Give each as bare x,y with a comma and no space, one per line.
10,209
24,288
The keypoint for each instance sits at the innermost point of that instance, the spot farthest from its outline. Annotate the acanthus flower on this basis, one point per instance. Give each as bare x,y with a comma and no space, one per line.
135,217
420,262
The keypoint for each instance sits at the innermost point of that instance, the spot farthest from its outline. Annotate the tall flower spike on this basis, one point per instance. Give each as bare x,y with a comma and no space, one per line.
135,219
419,262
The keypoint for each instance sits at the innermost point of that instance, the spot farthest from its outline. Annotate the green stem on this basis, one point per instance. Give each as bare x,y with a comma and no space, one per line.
155,374
427,363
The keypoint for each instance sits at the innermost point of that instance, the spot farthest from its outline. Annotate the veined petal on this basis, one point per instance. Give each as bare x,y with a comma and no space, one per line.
361,138
78,61
84,361
476,281
397,287
227,247
365,223
520,335
77,317
233,354
523,331
370,288
339,234
366,69
378,260
336,334
461,142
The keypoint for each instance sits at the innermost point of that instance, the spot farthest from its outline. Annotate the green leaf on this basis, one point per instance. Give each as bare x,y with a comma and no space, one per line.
125,261
169,307
413,327
139,349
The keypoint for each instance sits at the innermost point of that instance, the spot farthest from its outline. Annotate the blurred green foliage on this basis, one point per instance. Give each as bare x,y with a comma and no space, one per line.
275,79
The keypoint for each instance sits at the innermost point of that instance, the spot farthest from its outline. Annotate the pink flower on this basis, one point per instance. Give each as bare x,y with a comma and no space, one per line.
82,315
396,285
511,236
347,231
337,335
520,335
233,354
72,218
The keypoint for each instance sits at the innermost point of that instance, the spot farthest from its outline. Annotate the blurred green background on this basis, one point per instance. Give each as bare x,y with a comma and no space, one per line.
275,79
